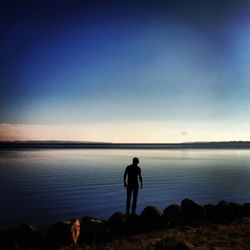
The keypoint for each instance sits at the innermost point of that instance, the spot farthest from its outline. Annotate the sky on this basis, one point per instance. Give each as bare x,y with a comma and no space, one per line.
125,71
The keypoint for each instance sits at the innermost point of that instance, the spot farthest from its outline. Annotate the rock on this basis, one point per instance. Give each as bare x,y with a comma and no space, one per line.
192,214
151,212
211,213
150,218
236,210
172,210
7,243
64,233
23,237
93,230
117,223
133,224
171,215
224,212
246,210
189,207
122,224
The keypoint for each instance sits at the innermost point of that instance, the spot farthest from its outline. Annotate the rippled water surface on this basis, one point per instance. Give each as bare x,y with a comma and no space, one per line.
43,186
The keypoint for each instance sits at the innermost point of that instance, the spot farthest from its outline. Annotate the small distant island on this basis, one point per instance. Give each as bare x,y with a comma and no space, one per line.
110,145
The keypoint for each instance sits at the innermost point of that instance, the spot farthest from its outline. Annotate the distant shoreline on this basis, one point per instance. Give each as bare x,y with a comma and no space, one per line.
99,145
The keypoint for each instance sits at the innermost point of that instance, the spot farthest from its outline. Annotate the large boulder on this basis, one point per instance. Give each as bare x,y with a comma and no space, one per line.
211,213
22,237
133,224
171,215
150,218
93,230
246,210
236,210
118,223
8,243
192,214
64,233
224,212
122,224
189,207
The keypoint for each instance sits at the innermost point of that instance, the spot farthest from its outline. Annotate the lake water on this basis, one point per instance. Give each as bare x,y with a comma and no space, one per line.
43,186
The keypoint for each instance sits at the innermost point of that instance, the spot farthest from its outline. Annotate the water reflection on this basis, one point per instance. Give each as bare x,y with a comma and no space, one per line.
42,186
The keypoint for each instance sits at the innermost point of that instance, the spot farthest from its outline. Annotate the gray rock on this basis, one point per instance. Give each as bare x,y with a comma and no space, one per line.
211,213
93,230
236,210
224,212
192,214
118,223
23,237
8,243
150,218
151,212
246,210
189,207
64,233
171,215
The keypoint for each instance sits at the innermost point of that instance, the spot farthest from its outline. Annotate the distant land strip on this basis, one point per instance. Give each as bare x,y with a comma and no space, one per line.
106,145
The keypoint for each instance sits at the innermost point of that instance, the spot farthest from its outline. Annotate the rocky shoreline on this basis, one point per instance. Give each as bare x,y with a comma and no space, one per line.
90,230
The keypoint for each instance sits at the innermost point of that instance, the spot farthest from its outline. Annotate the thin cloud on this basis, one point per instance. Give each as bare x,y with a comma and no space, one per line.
184,133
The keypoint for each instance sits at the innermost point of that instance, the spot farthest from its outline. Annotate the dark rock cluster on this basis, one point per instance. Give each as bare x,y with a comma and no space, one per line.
89,229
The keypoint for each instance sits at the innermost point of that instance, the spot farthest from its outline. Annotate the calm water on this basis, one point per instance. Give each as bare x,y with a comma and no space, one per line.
43,186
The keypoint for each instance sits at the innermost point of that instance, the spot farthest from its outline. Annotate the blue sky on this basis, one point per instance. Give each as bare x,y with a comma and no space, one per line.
144,71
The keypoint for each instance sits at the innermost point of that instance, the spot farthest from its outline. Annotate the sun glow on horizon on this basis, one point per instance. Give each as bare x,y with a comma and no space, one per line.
141,132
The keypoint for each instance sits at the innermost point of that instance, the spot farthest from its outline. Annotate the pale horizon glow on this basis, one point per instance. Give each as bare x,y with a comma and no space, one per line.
147,132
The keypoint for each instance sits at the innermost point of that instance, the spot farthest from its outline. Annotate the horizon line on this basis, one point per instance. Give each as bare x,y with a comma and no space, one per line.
100,142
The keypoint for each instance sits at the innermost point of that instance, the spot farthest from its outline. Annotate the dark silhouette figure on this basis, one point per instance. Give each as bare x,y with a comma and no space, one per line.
130,179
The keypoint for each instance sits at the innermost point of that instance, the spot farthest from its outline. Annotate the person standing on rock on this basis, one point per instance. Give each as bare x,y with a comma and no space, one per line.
130,179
